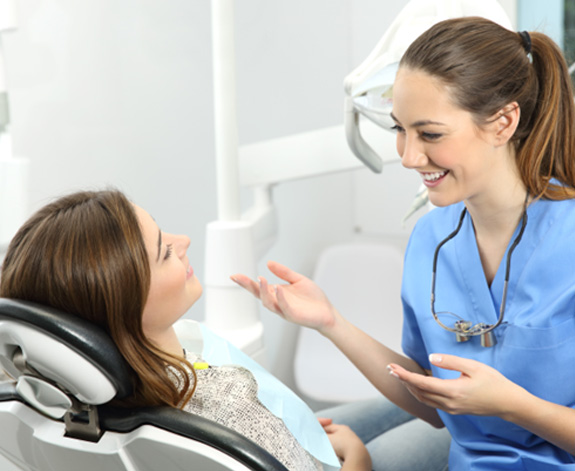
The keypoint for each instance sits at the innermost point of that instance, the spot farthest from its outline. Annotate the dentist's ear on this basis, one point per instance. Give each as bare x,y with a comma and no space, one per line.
505,123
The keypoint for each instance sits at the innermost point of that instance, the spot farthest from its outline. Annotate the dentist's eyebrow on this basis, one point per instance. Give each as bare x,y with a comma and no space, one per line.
420,123
159,244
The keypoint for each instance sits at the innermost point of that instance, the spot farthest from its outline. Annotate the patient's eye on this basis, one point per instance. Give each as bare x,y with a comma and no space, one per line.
397,128
168,251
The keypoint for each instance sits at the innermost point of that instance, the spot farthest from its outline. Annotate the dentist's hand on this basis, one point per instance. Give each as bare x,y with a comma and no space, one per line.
300,301
480,390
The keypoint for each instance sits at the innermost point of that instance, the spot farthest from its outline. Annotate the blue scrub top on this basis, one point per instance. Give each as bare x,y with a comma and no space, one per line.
535,344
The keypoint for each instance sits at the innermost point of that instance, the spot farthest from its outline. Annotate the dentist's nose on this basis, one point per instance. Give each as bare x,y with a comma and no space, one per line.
411,152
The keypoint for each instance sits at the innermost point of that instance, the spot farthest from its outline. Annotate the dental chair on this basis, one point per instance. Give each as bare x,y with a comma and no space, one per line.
61,373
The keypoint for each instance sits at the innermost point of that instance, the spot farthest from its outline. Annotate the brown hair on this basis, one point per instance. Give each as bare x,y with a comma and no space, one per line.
85,254
486,67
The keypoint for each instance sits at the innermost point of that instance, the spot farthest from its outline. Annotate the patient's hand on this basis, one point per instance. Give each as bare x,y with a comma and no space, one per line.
300,301
348,447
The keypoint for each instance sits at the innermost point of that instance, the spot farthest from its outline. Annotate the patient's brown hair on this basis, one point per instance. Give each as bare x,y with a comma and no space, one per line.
85,254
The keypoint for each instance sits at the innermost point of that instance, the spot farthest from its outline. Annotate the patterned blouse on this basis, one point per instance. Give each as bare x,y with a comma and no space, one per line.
228,395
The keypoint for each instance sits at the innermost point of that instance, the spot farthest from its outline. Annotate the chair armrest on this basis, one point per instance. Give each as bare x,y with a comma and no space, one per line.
192,426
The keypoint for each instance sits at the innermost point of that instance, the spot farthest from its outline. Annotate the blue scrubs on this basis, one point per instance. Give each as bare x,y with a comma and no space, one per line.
535,344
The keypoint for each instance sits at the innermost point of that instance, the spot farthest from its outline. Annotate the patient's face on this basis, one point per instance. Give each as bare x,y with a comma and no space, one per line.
174,287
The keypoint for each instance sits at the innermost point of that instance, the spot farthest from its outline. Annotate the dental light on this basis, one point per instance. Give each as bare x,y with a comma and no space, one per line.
368,87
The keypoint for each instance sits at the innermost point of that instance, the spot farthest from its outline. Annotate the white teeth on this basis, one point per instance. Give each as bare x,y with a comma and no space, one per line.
431,177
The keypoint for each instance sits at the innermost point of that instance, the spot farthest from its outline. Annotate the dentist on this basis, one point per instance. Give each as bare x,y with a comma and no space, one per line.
487,118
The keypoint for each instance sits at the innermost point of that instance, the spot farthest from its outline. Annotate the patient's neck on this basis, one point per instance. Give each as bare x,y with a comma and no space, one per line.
167,341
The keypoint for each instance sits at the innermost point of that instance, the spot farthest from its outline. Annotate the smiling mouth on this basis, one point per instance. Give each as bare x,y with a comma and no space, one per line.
433,177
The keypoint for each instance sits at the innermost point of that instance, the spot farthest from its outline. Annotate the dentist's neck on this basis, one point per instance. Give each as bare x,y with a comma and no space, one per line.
497,213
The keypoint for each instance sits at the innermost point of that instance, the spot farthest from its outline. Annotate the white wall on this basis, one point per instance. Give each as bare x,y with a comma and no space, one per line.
119,92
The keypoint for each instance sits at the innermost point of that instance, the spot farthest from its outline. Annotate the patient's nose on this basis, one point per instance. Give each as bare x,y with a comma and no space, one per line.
182,242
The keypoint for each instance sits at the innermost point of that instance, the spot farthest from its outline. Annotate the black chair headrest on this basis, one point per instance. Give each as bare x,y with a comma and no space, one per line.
86,339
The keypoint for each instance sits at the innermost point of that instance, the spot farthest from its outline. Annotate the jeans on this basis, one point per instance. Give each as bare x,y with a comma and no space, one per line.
396,440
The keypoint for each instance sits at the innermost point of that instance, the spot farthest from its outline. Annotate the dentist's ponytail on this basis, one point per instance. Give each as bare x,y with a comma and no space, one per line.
547,149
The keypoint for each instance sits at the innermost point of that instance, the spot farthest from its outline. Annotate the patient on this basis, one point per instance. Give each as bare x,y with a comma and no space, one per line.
97,255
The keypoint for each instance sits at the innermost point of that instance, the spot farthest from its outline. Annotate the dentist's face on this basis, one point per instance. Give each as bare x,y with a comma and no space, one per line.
174,287
439,140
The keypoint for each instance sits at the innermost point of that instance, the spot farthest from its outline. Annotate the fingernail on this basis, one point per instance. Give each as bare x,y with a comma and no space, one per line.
391,372
233,279
435,358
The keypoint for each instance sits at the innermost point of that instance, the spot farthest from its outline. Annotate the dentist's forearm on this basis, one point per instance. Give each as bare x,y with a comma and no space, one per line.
551,422
371,358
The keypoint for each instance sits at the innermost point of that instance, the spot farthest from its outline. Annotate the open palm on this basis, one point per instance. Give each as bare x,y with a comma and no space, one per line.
299,301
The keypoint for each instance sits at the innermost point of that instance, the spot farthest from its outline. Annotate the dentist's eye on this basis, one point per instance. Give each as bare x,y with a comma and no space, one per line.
430,136
168,251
